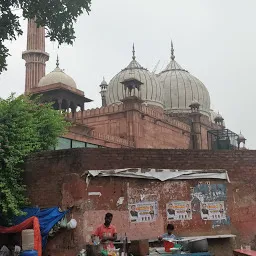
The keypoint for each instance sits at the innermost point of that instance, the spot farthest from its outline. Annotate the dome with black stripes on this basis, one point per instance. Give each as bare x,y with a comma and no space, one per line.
150,92
181,88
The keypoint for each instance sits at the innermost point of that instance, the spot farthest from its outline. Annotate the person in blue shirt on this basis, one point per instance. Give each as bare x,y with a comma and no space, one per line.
169,234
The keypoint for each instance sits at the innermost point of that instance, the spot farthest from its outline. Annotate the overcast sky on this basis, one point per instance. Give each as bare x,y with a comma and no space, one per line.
214,40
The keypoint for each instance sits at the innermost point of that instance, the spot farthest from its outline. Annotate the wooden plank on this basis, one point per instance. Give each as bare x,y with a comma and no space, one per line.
194,238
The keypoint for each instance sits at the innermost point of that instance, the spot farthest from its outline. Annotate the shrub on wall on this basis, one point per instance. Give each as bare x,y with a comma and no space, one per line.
26,126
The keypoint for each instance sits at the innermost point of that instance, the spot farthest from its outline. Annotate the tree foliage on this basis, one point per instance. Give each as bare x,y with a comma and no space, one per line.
58,17
26,126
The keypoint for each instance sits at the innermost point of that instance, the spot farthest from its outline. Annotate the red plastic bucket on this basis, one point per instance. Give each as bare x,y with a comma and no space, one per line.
168,245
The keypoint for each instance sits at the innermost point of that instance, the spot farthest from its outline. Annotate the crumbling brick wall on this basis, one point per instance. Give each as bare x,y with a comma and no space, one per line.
59,178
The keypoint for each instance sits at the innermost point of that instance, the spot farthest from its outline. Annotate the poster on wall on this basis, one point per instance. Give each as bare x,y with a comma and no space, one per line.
179,210
143,212
213,211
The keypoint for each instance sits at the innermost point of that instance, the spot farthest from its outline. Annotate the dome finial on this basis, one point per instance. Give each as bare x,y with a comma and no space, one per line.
133,52
172,51
57,61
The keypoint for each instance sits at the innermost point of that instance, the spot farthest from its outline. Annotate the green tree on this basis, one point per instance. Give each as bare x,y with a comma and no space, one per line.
26,126
58,17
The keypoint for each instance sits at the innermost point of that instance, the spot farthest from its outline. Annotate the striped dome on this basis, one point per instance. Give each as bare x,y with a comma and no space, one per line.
150,90
181,88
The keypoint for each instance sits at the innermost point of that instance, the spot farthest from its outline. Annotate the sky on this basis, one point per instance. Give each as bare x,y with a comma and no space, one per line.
214,40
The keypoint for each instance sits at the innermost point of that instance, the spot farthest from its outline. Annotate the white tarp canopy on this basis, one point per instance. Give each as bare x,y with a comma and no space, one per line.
162,174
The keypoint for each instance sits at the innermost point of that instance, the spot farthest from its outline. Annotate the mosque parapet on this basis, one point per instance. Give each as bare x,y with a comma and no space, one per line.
145,111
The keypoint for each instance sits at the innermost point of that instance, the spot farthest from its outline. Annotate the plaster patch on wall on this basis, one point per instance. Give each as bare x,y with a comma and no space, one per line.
168,187
246,196
120,201
94,194
87,180
90,229
86,205
142,197
88,238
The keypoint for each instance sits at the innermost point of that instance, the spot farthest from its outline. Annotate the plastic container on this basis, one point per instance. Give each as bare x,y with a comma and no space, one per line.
27,237
168,245
29,253
72,224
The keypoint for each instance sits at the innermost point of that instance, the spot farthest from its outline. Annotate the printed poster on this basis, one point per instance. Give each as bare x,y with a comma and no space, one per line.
179,210
143,212
213,211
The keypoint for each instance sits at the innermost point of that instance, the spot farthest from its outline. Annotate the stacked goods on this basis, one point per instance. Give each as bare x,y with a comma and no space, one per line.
27,236
27,239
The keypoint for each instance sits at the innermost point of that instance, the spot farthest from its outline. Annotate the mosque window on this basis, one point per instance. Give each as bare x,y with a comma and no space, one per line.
78,144
89,145
63,143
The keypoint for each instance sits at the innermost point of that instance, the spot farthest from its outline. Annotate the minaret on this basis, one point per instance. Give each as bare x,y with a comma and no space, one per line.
35,55
196,124
103,91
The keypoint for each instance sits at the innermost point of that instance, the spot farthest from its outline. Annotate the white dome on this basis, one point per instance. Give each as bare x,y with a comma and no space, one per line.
150,90
181,88
57,76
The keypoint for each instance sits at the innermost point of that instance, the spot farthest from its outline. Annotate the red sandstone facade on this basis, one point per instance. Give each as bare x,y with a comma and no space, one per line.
131,124
135,125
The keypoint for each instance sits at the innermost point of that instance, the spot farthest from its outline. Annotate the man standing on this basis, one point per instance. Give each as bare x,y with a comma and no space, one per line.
169,234
106,232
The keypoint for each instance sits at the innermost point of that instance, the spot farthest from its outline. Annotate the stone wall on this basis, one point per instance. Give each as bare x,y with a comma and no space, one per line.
59,178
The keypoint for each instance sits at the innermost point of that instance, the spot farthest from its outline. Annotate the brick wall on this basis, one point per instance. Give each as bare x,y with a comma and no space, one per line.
56,178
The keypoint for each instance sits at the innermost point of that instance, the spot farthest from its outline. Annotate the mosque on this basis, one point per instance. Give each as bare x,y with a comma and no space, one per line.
139,109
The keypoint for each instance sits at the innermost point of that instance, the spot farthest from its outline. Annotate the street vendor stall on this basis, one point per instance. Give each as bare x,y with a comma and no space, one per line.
187,246
138,247
39,222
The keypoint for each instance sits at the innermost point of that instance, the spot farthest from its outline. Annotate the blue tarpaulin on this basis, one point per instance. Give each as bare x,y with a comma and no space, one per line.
47,219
